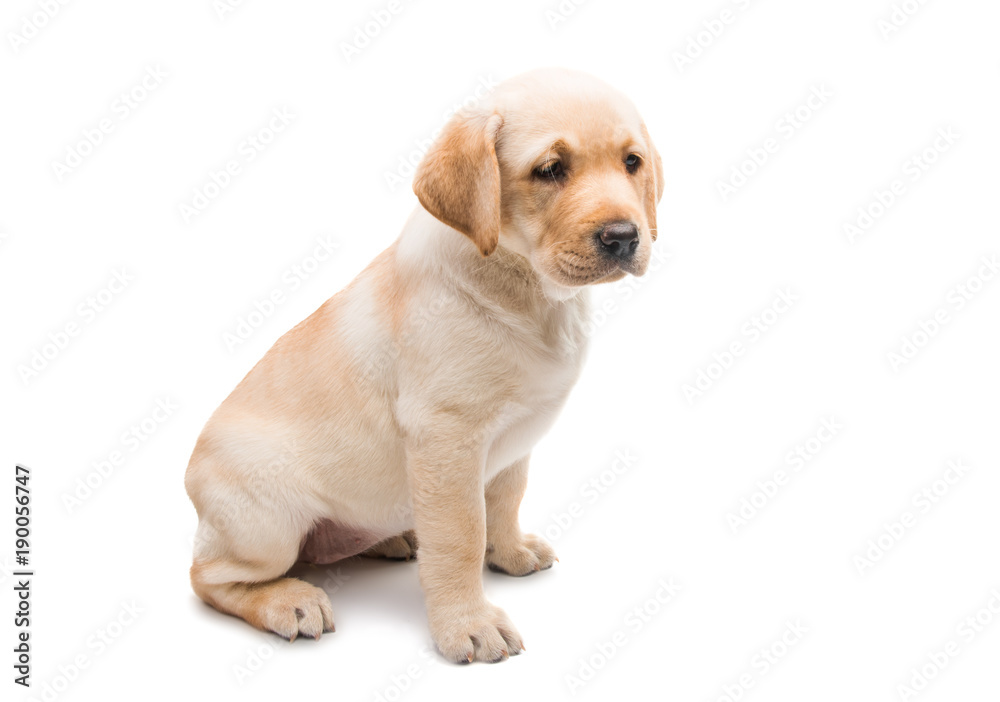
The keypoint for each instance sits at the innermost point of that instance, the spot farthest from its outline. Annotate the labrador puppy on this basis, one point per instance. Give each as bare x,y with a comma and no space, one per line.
404,410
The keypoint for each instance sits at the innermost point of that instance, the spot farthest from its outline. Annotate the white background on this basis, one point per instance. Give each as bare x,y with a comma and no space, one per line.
664,516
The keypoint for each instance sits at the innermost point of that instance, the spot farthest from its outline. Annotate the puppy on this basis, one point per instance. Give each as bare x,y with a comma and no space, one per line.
404,410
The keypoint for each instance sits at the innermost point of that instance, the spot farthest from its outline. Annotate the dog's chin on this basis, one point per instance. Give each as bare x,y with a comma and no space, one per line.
599,270
562,285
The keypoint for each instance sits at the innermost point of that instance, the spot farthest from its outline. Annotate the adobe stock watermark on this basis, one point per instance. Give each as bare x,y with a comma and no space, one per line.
899,15
224,8
590,492
559,14
385,356
32,24
956,299
763,662
913,169
248,150
366,32
923,501
711,30
797,458
404,680
751,332
638,618
406,165
95,646
129,442
120,110
623,291
937,660
785,127
60,339
253,660
259,478
290,280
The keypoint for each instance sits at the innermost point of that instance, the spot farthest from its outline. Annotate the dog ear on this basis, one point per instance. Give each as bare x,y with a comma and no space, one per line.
458,181
654,189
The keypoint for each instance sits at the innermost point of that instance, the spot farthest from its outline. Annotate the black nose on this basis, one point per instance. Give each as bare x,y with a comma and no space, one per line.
619,239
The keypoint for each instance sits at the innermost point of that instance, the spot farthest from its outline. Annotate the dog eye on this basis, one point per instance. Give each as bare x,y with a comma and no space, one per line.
550,171
632,163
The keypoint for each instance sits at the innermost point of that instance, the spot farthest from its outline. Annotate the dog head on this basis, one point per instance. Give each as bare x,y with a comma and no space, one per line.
556,166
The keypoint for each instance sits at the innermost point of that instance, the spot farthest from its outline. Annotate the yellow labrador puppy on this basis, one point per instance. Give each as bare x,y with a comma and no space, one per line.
411,400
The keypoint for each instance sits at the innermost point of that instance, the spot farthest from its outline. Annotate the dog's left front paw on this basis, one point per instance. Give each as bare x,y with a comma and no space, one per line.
531,555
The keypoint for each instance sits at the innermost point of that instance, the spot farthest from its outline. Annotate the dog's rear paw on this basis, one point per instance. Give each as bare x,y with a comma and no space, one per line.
396,548
291,607
531,555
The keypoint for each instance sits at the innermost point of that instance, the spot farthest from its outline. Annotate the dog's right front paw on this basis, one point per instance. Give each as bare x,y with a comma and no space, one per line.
482,634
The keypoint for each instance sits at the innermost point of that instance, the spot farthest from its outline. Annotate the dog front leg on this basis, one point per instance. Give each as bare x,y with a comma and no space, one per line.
449,508
507,549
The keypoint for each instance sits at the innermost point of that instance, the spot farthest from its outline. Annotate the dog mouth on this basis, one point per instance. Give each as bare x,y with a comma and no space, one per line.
574,269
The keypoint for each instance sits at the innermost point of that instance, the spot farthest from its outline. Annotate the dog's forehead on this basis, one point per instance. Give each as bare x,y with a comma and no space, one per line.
543,108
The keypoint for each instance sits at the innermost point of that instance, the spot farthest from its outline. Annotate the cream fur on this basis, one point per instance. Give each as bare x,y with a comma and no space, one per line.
411,400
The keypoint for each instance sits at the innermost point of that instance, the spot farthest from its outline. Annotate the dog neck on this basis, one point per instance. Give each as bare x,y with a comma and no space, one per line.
506,277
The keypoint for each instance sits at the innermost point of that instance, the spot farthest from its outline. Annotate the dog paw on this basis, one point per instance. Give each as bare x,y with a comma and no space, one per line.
402,547
293,607
532,554
484,634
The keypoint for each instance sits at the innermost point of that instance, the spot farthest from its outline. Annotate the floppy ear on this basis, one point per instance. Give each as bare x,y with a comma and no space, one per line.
458,181
654,190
